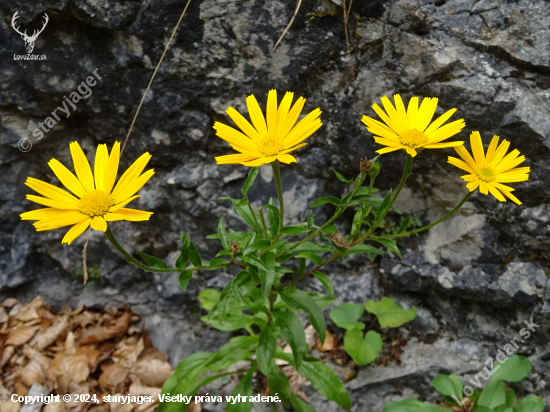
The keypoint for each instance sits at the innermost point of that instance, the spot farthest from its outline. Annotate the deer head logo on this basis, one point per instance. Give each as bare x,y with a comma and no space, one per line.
29,40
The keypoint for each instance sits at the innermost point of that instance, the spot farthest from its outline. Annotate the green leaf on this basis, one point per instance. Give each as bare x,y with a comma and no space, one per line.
301,300
390,244
370,199
293,333
310,220
267,277
294,230
481,408
530,404
186,373
329,229
223,236
404,224
324,279
325,382
273,216
309,247
389,313
184,251
510,397
412,405
184,278
383,206
311,256
492,395
233,351
258,245
208,298
244,388
278,383
267,346
253,260
250,179
362,350
217,264
323,200
347,315
231,322
342,178
448,386
299,404
501,408
194,256
152,261
513,369
362,249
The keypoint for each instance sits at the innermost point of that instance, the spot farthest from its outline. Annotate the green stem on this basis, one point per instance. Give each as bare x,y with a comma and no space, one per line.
253,214
130,258
406,173
448,215
277,174
338,212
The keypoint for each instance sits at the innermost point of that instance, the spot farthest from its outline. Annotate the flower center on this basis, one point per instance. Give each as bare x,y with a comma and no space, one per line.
413,138
95,203
270,146
487,174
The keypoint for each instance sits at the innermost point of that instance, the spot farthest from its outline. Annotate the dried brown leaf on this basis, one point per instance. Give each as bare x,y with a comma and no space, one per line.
47,337
20,389
328,345
9,406
3,315
112,376
6,355
21,335
96,333
152,372
55,407
127,353
75,367
10,302
32,373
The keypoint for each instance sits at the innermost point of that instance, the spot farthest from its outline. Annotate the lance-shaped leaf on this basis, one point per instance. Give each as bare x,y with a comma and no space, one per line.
302,301
267,347
152,261
293,333
250,179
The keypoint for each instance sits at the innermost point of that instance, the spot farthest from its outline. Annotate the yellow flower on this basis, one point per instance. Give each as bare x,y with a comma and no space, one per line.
264,143
96,202
488,172
408,129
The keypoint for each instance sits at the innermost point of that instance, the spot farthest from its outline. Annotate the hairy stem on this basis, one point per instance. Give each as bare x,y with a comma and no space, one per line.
448,215
277,174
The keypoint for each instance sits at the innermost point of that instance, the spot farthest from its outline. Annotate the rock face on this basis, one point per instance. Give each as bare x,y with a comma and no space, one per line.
475,278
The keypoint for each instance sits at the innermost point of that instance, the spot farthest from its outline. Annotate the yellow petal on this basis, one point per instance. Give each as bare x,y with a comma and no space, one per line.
394,126
82,167
67,178
380,129
439,121
460,164
133,171
402,113
477,148
133,186
98,223
100,166
122,204
412,111
446,131
389,149
260,161
292,117
304,127
236,139
133,215
443,145
70,217
492,149
271,112
243,124
283,110
257,117
40,214
286,158
494,191
234,158
426,113
51,202
465,155
51,191
394,116
76,231
112,168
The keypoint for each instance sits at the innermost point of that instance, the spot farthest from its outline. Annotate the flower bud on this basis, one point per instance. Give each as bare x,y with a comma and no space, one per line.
234,246
365,165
